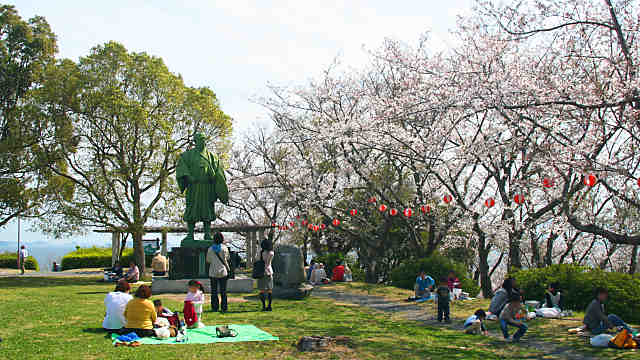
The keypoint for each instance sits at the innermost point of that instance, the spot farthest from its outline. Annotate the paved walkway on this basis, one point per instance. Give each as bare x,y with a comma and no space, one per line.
53,274
413,312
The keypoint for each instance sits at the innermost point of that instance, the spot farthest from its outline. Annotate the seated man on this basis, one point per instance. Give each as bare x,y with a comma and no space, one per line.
553,297
424,285
159,264
338,273
318,275
595,318
133,274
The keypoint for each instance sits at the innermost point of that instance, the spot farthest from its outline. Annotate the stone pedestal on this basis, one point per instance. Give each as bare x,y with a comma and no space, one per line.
189,262
162,285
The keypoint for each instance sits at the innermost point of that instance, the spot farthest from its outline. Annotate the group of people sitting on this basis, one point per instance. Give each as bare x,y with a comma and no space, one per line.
316,273
117,273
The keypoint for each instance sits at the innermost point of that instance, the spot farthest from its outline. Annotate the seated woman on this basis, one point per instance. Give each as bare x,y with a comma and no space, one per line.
338,273
115,303
553,297
595,318
348,275
318,275
133,274
140,314
502,296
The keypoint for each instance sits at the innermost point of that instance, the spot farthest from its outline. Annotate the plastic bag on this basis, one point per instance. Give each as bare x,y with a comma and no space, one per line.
601,340
548,312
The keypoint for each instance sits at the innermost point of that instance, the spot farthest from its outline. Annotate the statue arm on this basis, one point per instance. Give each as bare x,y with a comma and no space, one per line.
222,191
183,173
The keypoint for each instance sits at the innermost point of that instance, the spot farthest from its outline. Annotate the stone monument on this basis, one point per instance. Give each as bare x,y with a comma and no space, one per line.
288,273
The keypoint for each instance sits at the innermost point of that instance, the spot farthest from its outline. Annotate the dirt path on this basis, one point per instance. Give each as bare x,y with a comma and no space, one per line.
413,312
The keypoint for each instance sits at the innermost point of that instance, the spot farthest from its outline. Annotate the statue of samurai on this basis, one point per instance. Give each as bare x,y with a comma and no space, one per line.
202,179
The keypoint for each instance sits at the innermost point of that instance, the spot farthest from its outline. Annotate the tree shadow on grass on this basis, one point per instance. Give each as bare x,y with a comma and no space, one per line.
91,293
98,331
38,282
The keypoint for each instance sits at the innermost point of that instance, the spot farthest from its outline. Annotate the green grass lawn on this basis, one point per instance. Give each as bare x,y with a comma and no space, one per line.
60,318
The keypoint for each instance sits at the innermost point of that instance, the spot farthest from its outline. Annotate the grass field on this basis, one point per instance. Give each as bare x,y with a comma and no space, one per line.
60,318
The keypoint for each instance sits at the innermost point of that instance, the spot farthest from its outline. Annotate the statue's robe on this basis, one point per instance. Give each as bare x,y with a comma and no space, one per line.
208,184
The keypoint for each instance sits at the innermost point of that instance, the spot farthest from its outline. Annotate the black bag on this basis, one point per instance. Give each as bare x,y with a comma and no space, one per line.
225,331
258,268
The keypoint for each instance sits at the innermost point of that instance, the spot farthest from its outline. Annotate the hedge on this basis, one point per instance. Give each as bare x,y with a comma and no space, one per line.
578,285
9,260
436,266
95,257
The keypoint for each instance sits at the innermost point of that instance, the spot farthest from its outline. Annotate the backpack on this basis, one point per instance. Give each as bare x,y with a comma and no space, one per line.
623,340
258,268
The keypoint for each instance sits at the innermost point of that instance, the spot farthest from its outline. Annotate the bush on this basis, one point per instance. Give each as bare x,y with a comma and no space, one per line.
436,266
95,257
578,285
9,260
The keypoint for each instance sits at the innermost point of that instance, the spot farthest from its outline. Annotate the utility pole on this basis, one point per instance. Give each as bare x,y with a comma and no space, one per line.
18,252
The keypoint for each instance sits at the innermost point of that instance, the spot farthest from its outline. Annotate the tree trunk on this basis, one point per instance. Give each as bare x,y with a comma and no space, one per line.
634,260
138,251
304,247
514,251
483,260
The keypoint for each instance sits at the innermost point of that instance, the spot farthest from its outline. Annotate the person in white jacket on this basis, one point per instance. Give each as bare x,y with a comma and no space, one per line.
115,304
218,259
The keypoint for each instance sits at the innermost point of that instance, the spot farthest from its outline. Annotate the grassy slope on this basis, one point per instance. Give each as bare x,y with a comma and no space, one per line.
60,318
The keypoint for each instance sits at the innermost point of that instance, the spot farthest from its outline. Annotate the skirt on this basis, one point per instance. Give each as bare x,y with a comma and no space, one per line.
265,282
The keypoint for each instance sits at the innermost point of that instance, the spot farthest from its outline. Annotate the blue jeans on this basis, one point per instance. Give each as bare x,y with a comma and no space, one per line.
522,328
615,321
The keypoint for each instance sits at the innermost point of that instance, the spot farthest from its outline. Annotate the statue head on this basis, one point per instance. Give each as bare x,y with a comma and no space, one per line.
200,140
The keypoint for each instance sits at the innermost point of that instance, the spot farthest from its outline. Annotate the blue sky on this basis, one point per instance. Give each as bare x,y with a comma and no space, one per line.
236,47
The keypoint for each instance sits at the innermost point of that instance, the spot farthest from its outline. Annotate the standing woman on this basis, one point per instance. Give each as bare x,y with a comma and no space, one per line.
218,259
265,283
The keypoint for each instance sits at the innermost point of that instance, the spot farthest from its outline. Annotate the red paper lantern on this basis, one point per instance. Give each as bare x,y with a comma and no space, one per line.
353,212
336,222
304,222
447,199
393,212
274,225
382,208
638,181
316,228
310,227
548,183
292,224
372,200
519,199
490,202
425,209
408,212
323,226
590,180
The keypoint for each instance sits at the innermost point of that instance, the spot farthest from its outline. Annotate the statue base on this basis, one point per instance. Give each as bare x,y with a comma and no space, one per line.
163,285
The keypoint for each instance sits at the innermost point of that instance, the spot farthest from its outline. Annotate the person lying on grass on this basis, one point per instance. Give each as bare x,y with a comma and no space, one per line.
595,318
509,317
474,324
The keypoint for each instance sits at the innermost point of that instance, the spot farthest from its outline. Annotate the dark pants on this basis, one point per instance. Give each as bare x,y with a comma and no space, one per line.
443,310
139,332
614,320
522,328
159,273
219,284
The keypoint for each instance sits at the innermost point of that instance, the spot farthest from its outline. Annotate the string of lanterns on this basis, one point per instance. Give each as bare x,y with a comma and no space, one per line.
589,180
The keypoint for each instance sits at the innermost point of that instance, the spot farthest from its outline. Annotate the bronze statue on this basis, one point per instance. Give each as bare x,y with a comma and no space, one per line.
201,177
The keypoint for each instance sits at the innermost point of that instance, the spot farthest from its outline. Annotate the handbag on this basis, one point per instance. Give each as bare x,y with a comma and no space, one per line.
225,331
258,268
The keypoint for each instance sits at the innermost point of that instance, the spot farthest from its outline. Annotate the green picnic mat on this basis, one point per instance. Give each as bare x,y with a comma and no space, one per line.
207,335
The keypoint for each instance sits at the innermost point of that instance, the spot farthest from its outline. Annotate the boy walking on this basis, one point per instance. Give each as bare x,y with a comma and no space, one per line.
444,298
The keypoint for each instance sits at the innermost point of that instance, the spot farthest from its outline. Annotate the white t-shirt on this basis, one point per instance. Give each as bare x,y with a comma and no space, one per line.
23,254
115,302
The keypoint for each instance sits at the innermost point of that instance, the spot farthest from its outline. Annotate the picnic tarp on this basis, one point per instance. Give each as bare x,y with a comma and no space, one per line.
207,335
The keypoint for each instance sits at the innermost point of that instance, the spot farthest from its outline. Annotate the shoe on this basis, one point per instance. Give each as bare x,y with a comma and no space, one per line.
269,308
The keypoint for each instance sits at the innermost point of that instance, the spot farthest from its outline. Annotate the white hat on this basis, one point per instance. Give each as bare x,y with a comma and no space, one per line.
157,252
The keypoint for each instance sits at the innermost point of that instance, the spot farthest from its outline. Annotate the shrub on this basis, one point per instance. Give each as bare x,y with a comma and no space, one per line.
9,260
436,266
95,257
578,285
